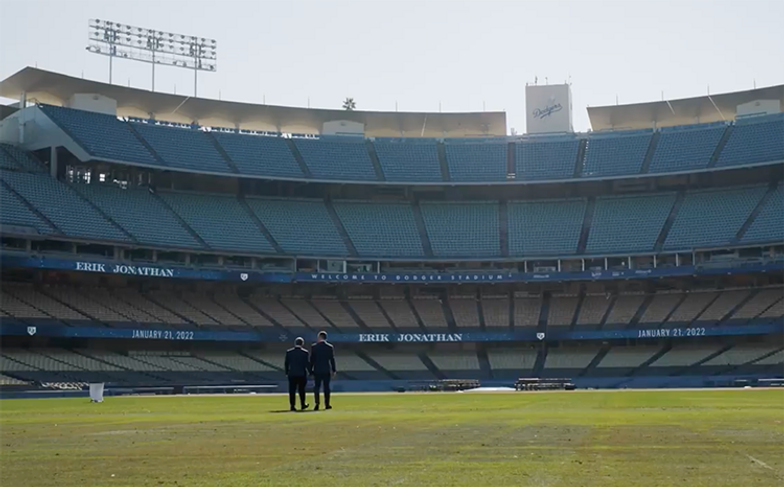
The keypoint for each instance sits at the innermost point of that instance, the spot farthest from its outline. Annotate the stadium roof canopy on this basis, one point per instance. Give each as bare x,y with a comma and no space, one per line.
57,89
686,111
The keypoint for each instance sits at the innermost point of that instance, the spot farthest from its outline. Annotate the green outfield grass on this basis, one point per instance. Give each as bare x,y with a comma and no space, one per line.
623,438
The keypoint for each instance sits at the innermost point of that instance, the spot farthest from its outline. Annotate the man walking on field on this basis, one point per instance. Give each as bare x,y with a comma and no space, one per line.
322,366
296,367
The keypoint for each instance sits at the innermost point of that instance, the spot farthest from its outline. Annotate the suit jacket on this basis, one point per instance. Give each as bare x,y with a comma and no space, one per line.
297,362
322,358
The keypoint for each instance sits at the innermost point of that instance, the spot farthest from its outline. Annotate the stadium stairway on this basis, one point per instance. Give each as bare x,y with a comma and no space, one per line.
182,222
378,366
484,364
580,161
596,360
646,162
720,147
669,222
503,227
577,308
541,358
755,212
443,163
374,159
511,161
448,315
300,160
101,212
29,206
352,250
610,307
146,145
586,229
431,366
222,152
640,312
262,228
420,223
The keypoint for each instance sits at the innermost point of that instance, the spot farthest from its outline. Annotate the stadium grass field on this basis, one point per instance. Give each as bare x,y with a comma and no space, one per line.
593,438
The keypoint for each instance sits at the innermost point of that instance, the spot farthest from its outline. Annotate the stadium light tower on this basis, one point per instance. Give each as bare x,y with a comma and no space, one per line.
112,39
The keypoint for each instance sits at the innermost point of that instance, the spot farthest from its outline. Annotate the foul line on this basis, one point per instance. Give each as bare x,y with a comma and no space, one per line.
759,462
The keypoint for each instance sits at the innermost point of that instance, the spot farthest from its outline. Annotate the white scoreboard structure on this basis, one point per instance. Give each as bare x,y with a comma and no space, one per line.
548,109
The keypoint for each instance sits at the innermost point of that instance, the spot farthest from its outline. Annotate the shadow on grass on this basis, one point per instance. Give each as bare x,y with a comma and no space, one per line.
276,411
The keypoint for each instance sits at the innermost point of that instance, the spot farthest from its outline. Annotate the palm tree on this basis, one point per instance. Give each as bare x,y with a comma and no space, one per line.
349,104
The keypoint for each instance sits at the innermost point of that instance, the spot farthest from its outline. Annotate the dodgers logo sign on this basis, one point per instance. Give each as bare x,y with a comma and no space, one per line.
31,330
540,336
244,276
548,110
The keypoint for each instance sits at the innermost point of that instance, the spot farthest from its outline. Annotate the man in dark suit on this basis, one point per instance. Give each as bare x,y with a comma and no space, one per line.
322,366
296,367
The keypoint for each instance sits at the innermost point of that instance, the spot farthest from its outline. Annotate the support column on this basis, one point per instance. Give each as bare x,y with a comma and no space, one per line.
53,162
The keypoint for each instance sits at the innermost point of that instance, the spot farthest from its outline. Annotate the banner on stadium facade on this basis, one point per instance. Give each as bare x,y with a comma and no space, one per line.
229,275
10,329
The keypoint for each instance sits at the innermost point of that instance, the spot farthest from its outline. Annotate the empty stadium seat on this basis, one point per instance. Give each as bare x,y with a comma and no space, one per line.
537,159
408,160
476,161
549,227
380,229
102,136
345,158
139,213
183,148
220,220
302,227
628,223
260,156
15,212
462,229
685,148
615,155
754,140
712,217
768,226
14,158
62,206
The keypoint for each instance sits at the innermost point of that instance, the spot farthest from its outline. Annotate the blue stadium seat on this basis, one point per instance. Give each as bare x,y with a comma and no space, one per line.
260,156
381,229
468,230
409,160
14,158
477,161
220,220
549,227
14,212
63,207
101,135
686,148
753,141
615,155
628,223
300,226
712,218
184,148
546,159
769,224
139,213
346,158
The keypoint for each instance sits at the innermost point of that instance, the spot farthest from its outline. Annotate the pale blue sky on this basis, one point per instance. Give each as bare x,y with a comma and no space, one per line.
461,54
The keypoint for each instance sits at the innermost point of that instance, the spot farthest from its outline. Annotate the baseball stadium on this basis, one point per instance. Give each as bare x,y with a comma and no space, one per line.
553,308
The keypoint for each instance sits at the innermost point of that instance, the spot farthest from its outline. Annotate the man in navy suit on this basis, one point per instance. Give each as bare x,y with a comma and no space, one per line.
322,366
297,366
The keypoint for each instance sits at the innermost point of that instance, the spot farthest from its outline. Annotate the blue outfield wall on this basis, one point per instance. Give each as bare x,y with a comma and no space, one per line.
659,382
12,260
12,328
